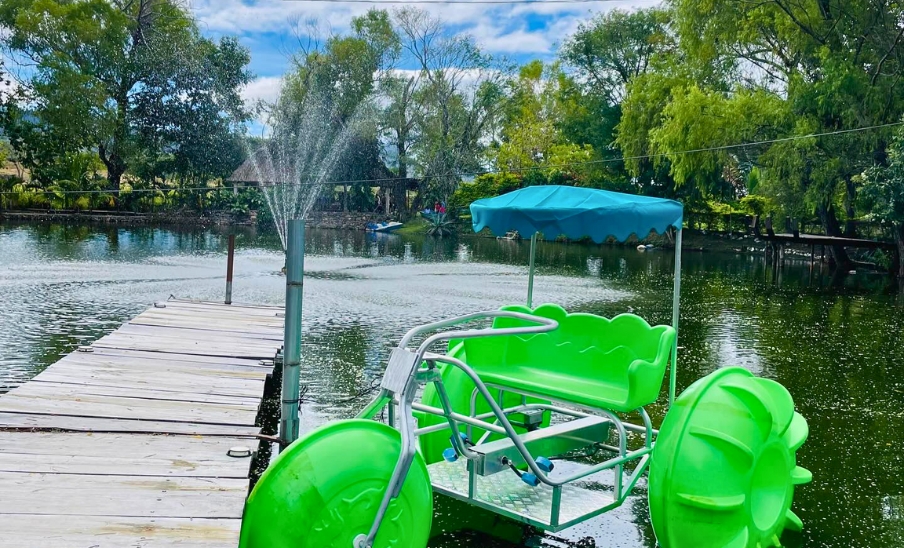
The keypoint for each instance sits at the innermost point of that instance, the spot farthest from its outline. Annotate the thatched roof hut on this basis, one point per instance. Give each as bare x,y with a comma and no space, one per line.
249,172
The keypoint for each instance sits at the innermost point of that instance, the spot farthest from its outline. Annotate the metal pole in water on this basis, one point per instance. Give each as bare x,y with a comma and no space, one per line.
530,280
288,425
676,312
229,264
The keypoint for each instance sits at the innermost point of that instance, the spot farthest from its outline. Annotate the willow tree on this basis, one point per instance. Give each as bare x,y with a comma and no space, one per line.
606,55
883,193
836,65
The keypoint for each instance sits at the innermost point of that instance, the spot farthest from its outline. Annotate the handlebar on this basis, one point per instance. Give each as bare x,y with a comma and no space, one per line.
545,325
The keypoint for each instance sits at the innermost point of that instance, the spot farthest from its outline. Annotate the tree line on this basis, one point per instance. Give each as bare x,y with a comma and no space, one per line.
773,107
114,95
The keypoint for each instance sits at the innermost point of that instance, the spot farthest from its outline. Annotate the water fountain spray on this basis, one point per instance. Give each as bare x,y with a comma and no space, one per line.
307,140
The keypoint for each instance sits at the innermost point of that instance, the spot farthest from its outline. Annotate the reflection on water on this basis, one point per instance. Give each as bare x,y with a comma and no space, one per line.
837,343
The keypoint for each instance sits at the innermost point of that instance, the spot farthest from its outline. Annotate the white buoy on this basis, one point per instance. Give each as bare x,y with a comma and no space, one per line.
641,248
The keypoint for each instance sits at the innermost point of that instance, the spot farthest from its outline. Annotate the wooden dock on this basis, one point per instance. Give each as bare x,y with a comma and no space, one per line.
125,445
816,239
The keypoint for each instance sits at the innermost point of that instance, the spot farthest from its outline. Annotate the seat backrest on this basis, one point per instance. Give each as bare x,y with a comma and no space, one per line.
585,331
584,346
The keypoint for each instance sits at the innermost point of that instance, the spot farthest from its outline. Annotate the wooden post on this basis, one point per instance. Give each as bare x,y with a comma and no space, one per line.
229,268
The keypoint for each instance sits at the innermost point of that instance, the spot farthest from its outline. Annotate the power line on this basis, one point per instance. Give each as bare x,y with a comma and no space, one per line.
494,171
476,2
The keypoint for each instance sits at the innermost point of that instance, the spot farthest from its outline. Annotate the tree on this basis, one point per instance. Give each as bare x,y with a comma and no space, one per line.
106,73
641,113
529,121
531,143
400,123
700,120
883,193
615,47
608,55
330,93
836,64
460,91
202,131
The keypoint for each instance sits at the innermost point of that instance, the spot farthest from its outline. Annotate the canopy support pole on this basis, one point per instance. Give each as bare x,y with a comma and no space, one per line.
676,305
530,280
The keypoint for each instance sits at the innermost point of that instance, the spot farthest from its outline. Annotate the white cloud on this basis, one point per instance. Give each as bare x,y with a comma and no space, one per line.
277,16
498,28
265,89
496,40
262,89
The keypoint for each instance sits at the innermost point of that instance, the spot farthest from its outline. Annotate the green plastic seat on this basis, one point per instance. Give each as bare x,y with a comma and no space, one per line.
616,364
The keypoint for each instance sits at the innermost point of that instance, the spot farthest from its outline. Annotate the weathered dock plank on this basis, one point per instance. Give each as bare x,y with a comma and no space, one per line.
122,496
124,454
65,423
53,531
126,445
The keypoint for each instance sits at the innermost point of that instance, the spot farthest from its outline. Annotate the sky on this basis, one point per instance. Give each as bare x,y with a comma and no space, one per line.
520,32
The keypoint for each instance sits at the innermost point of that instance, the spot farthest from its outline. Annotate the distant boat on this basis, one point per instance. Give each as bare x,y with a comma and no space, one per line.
383,227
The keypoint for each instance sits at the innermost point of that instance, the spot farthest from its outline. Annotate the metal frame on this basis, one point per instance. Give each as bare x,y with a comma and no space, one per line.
408,370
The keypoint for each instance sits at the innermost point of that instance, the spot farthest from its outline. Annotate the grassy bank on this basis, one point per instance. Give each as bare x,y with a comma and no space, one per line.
414,227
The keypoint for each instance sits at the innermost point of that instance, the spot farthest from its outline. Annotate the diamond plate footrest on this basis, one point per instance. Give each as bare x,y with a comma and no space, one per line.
507,495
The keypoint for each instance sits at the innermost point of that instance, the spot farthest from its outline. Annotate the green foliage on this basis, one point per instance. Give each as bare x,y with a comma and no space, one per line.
649,101
68,177
816,66
883,188
695,119
608,54
241,202
10,190
483,186
440,225
124,79
617,46
532,142
6,151
756,204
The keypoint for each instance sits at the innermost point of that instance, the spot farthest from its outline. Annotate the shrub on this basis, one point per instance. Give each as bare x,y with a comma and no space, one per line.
756,204
484,186
441,225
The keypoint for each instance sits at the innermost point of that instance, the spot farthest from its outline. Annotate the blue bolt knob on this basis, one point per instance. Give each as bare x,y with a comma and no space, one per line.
462,435
530,479
450,455
545,464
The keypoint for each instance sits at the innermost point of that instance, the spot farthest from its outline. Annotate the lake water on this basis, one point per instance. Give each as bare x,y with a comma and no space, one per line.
836,344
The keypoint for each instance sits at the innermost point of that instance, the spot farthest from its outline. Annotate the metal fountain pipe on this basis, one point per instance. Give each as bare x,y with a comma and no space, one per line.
230,262
288,425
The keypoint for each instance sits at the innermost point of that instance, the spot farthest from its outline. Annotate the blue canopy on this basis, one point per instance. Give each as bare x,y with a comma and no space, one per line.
576,212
